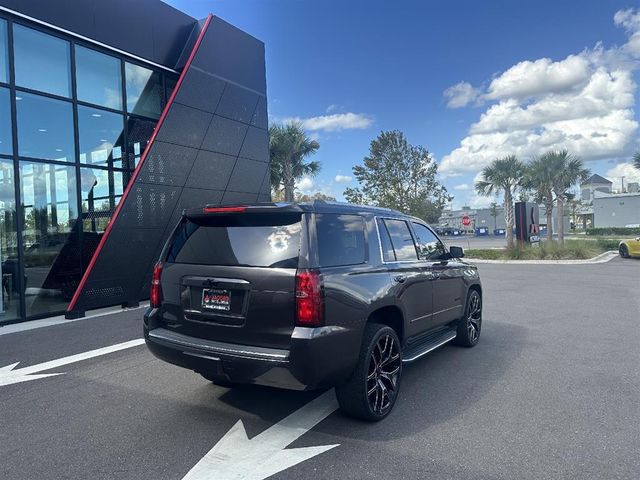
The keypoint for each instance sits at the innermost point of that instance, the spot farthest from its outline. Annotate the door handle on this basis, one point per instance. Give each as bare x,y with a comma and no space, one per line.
399,278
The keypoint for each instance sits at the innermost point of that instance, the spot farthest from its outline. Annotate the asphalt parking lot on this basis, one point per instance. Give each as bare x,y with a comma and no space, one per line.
551,391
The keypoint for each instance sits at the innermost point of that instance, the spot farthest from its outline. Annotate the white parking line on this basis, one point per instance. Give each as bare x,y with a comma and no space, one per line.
8,375
237,457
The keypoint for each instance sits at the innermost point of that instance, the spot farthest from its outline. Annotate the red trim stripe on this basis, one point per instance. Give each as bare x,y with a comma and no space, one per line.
125,194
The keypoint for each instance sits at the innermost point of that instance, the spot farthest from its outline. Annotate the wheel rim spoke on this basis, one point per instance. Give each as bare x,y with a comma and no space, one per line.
383,374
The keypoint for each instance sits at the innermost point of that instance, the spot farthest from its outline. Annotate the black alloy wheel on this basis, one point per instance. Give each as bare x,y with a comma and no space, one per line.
470,324
383,374
623,251
372,390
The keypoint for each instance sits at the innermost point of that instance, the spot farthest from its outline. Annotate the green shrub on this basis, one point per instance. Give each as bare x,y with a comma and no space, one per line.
607,243
616,231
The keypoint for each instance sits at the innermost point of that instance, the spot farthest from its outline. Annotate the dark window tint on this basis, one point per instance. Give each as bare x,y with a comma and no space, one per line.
50,238
9,300
41,61
45,127
385,243
4,57
145,95
139,132
429,247
401,239
6,143
340,239
240,239
101,136
101,192
99,78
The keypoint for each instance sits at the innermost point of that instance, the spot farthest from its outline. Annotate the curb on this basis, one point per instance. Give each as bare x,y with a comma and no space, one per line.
602,258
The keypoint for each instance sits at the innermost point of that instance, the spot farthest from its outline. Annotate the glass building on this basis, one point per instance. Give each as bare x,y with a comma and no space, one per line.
74,120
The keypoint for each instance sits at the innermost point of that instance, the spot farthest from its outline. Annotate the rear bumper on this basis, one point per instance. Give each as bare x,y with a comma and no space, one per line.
317,358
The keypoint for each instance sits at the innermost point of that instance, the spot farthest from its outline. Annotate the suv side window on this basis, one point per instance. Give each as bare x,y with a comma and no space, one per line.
388,255
340,239
401,240
429,247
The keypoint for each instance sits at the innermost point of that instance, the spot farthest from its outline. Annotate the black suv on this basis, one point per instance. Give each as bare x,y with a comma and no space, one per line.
309,295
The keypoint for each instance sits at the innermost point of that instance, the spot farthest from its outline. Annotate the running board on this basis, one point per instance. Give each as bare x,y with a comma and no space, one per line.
430,343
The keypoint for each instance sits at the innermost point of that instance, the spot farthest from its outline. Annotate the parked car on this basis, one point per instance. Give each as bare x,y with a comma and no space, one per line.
629,248
307,296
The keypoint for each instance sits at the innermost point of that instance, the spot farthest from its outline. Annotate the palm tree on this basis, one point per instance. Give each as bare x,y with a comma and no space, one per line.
503,175
289,145
636,160
493,210
539,176
569,171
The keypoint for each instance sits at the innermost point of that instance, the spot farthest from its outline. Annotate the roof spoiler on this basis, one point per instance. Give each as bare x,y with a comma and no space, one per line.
217,209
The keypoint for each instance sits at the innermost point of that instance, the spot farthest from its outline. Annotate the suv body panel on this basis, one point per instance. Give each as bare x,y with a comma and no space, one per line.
430,295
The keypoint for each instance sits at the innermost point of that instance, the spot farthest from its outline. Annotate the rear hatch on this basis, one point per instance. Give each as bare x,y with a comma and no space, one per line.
229,275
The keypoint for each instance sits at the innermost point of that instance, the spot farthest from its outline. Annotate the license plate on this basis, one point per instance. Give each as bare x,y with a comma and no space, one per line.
216,299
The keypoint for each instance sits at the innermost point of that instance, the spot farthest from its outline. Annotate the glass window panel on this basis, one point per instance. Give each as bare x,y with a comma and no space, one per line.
41,61
101,192
9,299
139,133
6,143
429,247
402,240
101,136
98,78
340,239
50,236
4,56
144,91
45,127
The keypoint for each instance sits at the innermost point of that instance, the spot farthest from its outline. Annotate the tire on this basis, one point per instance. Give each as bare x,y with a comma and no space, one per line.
623,251
372,389
216,380
470,324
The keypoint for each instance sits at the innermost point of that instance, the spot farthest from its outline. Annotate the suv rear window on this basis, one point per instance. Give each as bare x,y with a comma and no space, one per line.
238,240
340,239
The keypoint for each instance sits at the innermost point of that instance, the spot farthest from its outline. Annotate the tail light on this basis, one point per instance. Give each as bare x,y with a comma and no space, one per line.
155,297
309,301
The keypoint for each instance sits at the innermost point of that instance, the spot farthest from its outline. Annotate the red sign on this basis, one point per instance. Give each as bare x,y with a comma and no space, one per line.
466,220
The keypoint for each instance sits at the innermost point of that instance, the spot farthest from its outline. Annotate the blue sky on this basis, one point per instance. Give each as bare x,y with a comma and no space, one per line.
468,80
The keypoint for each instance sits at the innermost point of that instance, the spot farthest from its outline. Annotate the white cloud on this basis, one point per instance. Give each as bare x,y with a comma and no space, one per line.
335,122
461,94
342,178
332,108
583,103
626,170
305,184
462,187
542,76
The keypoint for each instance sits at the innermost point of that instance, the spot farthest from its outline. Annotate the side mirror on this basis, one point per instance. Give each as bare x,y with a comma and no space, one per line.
456,252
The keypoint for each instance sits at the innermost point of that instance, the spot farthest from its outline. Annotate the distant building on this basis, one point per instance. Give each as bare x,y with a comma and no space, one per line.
595,183
619,210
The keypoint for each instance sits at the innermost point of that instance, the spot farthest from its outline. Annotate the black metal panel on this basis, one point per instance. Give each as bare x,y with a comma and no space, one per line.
243,64
197,158
167,164
184,126
256,145
247,176
200,90
225,136
260,117
237,103
150,29
211,171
